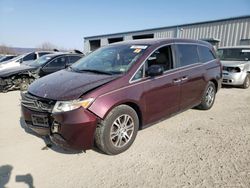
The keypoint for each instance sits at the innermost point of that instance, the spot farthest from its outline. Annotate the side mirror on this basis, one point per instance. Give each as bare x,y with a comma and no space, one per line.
20,60
155,70
67,65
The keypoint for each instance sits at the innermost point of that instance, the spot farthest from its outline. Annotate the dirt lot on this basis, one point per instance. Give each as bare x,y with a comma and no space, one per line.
193,149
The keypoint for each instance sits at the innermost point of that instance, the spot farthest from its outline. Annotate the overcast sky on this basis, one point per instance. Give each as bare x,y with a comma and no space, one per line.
28,23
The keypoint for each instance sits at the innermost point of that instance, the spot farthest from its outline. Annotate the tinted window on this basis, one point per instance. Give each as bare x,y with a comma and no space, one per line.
205,54
187,54
73,59
58,62
30,57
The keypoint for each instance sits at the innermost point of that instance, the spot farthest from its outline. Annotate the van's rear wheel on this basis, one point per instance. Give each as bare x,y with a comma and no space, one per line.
246,83
117,131
208,97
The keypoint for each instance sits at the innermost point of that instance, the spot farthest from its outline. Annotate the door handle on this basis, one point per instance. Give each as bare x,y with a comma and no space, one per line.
184,78
176,81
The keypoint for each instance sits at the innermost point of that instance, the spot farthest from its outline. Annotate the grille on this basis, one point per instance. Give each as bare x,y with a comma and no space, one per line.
36,103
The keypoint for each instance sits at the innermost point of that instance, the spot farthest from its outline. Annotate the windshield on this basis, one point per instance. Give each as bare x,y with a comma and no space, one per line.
111,59
39,62
234,54
15,59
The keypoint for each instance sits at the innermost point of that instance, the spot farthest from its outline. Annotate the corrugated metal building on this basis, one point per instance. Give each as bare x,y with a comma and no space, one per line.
224,32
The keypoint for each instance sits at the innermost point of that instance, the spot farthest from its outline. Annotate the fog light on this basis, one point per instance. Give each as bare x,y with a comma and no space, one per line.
55,127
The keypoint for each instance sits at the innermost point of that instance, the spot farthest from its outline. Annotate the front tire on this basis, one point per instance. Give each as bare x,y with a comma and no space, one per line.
208,97
246,83
118,130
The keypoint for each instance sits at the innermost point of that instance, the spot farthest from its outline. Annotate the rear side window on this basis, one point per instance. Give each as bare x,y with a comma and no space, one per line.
205,54
188,54
73,59
30,57
57,63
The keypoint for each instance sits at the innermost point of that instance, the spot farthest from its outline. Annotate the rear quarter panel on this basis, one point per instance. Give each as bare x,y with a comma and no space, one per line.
214,72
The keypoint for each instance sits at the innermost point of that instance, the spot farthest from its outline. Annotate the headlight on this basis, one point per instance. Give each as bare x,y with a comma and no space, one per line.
65,106
233,69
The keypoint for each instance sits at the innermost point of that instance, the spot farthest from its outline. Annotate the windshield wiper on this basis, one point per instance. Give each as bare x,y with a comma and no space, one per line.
94,71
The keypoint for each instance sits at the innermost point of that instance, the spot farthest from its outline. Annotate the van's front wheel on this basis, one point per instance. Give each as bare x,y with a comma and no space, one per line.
118,130
208,97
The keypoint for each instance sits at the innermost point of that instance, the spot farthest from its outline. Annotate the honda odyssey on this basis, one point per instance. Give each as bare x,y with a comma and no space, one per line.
107,96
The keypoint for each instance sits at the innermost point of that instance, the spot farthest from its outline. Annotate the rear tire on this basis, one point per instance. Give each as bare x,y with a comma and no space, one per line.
208,97
117,131
246,83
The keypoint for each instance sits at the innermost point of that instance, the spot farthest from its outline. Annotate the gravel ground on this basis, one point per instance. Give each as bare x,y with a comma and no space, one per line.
192,149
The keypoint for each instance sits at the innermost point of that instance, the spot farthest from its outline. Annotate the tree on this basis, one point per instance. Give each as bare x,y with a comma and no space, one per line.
47,46
6,50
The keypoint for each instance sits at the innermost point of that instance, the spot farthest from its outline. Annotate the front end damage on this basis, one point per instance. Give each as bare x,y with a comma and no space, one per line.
17,81
73,130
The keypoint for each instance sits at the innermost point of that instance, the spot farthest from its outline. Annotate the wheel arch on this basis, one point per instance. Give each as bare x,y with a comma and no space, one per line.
133,104
137,110
215,83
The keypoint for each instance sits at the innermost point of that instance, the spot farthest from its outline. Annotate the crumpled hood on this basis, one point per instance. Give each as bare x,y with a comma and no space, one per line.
233,63
67,85
15,70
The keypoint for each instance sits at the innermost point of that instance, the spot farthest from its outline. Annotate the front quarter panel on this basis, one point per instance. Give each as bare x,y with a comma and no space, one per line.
106,102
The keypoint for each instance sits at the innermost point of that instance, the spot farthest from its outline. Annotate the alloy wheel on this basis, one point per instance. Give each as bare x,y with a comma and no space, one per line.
210,94
122,130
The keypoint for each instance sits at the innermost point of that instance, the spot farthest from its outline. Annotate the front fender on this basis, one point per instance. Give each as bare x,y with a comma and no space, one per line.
105,103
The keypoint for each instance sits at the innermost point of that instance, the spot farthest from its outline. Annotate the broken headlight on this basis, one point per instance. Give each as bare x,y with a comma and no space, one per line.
65,106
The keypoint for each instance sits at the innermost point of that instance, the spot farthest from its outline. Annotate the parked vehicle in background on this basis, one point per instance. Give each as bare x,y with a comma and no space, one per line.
23,58
236,65
19,77
120,88
6,58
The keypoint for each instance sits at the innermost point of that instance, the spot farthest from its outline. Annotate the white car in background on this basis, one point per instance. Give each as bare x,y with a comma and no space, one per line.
6,57
236,65
23,58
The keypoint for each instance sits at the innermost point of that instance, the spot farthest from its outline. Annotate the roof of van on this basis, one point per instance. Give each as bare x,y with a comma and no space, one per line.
159,41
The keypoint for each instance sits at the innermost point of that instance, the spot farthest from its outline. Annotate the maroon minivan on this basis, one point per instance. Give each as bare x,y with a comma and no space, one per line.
107,96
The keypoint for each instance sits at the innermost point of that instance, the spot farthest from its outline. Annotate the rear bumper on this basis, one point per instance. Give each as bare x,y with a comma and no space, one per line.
74,129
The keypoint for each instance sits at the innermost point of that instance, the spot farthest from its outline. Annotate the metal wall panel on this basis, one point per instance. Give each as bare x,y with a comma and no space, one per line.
169,33
229,32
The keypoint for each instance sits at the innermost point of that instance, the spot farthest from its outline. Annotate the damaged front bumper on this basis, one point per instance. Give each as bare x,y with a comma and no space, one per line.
74,129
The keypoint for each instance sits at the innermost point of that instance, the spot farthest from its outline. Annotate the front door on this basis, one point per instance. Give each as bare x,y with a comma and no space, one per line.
162,93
